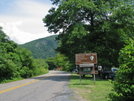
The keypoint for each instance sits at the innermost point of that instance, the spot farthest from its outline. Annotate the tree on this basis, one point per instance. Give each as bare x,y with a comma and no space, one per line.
99,26
123,89
62,61
41,66
59,60
7,66
3,36
16,62
51,62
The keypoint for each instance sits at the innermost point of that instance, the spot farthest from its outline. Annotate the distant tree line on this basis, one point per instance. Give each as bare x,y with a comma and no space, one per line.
60,61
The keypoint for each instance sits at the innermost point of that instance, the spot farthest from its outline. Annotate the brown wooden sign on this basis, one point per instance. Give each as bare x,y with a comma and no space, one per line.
86,58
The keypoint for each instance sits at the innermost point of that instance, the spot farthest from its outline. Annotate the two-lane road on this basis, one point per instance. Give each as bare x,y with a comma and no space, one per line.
49,87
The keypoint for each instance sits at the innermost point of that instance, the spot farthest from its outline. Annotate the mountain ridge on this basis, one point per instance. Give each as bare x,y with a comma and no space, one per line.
43,47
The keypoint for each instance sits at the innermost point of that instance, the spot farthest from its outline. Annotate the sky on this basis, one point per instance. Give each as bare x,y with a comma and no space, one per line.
22,19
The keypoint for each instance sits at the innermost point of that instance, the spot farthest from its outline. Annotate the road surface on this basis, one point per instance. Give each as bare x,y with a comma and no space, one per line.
49,87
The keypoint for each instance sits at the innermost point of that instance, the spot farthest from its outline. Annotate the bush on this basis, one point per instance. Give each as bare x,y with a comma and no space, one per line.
41,66
123,89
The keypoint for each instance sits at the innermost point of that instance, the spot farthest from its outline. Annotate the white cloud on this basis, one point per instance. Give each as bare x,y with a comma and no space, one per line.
19,36
32,8
26,25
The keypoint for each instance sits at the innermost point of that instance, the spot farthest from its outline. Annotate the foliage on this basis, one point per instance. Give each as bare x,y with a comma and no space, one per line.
123,89
42,48
59,61
42,66
17,62
99,26
51,62
62,61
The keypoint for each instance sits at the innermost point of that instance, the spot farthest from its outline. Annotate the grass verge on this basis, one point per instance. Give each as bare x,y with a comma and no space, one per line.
4,80
10,80
87,90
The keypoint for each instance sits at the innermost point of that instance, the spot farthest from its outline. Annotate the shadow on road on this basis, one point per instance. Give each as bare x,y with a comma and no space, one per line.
61,76
54,76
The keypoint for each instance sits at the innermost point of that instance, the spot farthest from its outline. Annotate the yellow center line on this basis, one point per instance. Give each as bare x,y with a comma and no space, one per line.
6,90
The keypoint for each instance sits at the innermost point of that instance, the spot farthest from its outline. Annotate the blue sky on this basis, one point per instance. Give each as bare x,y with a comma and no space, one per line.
22,19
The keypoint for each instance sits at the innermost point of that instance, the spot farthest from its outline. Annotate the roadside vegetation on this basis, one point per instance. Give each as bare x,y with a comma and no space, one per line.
17,63
123,89
60,61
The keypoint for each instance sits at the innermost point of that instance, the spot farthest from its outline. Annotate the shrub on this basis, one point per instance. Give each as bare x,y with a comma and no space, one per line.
123,89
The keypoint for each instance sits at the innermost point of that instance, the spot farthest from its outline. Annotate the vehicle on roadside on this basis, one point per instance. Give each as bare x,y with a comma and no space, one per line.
75,71
112,76
109,74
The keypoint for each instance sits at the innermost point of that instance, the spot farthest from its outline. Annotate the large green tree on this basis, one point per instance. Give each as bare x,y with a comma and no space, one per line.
91,26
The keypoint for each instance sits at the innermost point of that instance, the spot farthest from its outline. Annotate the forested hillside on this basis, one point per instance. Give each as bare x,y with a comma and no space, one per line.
42,48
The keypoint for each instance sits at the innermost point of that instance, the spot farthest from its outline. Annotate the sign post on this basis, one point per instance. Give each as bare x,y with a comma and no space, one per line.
80,74
86,60
80,79
94,74
94,78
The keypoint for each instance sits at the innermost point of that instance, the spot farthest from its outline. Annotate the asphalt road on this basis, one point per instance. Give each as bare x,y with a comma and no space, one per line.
49,87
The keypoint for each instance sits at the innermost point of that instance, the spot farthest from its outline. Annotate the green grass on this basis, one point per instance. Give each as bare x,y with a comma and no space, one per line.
4,80
10,80
87,90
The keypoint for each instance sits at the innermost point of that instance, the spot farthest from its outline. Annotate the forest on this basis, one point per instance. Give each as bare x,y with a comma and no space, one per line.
16,62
